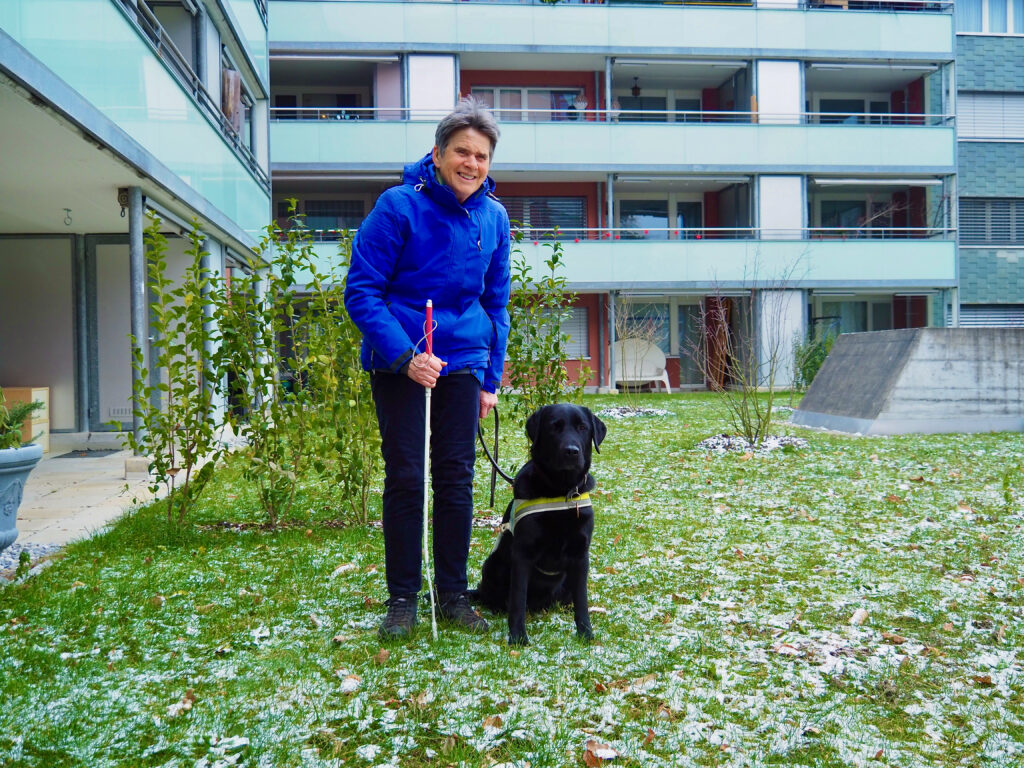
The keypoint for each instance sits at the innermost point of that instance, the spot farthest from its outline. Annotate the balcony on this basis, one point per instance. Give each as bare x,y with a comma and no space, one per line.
700,259
95,48
351,140
887,30
703,260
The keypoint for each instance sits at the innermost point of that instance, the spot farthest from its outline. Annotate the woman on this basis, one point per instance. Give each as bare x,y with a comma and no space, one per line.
442,236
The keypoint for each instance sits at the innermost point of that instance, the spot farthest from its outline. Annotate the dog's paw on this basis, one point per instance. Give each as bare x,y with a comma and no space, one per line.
518,640
585,633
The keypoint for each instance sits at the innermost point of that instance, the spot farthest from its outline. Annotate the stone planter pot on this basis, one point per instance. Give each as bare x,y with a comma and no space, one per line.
15,464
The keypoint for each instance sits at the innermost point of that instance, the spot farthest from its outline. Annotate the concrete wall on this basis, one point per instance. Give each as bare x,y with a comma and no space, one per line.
924,380
37,321
961,373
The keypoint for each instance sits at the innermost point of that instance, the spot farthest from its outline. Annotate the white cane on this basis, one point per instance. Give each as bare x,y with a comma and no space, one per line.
429,332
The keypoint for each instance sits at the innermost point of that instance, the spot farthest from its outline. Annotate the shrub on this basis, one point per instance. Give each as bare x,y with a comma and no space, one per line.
11,420
809,355
537,346
176,412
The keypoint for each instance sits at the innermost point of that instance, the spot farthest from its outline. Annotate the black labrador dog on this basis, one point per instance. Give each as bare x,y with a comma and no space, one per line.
543,553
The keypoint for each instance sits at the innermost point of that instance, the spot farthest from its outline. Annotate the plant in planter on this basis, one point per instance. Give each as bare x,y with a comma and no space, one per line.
16,461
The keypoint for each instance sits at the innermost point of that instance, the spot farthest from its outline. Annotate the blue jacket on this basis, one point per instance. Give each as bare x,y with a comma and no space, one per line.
420,243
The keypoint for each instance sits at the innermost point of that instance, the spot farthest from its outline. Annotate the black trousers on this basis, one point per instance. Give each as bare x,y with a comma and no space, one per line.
455,408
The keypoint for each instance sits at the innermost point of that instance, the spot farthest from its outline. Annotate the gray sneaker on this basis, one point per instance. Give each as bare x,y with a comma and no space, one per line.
400,619
455,607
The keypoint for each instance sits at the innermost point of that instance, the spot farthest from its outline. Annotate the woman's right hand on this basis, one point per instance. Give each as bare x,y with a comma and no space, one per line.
424,369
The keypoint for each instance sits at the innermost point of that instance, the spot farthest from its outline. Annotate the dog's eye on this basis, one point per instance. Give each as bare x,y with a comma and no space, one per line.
581,427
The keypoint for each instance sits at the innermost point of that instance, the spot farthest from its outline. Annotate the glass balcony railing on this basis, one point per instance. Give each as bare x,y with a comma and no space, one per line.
688,117
538,235
186,76
887,6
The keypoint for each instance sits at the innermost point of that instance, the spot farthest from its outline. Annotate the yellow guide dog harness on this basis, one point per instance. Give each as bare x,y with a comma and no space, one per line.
525,507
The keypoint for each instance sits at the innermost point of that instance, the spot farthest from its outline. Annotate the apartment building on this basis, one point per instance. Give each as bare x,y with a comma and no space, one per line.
792,161
110,108
990,143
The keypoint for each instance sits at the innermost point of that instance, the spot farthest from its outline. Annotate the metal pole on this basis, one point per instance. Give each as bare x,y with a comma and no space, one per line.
611,340
81,338
611,203
608,89
139,302
429,333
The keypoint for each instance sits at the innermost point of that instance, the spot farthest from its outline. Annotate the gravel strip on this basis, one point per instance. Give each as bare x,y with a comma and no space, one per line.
9,557
721,444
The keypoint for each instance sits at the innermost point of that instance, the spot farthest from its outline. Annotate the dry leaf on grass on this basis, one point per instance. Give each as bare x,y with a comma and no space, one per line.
449,744
892,637
183,706
859,617
785,649
349,683
494,721
382,657
596,754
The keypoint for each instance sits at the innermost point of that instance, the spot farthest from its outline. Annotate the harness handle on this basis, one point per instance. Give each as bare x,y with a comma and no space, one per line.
495,469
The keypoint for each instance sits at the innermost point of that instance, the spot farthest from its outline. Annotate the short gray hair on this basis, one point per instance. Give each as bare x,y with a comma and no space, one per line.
470,113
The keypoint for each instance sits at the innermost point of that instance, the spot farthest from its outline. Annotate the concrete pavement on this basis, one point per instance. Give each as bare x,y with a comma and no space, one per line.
71,498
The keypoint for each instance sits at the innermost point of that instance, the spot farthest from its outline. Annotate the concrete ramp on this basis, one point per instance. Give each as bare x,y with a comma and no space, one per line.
920,380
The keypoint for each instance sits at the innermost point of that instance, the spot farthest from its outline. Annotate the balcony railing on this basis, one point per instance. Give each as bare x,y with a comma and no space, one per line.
687,117
538,235
886,6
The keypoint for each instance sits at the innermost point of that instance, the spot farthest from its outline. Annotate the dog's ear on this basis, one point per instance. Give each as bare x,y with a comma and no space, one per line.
597,429
533,425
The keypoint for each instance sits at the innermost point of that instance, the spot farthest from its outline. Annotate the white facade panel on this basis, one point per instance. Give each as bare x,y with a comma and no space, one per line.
431,85
780,97
781,207
781,319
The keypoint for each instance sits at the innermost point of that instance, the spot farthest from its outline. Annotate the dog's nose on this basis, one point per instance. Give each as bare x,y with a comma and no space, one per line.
572,450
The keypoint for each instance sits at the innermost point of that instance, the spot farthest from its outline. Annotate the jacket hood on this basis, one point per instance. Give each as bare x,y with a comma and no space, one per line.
423,172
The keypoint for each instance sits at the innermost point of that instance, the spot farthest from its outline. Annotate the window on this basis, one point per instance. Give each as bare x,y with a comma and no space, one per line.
334,214
547,212
644,109
992,221
535,105
845,214
575,327
997,17
646,320
688,219
178,22
644,219
990,115
841,110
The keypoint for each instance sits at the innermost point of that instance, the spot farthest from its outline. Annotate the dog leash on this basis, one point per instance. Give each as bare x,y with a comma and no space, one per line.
495,469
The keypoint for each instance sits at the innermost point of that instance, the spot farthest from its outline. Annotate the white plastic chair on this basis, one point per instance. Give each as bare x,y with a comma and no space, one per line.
637,361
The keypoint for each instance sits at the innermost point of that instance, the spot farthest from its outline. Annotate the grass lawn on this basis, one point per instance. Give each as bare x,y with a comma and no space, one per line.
724,590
